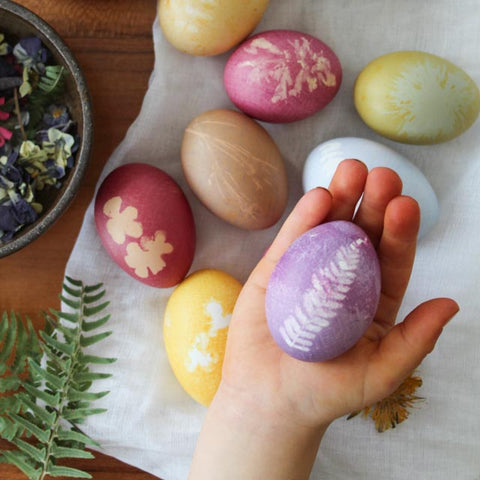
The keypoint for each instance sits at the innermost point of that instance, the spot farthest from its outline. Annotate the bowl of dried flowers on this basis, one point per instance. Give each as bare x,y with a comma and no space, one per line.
45,127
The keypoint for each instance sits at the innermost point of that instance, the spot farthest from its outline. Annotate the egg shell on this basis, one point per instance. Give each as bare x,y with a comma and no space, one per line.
323,292
145,224
235,169
416,97
206,27
195,330
323,160
282,76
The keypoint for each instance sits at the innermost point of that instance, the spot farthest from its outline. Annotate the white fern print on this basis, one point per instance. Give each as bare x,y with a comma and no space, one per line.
316,68
322,302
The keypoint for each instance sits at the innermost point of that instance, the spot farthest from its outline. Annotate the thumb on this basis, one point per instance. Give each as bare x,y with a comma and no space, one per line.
409,342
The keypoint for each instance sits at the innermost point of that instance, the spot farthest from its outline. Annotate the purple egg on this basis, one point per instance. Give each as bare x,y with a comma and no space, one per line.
324,292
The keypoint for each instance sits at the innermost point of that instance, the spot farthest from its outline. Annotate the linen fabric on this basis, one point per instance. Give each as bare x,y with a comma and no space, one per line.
151,422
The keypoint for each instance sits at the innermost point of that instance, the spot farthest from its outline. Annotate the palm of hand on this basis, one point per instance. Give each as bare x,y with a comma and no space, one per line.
256,369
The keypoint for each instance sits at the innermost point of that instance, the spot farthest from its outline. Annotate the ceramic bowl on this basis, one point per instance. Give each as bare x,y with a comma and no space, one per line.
17,22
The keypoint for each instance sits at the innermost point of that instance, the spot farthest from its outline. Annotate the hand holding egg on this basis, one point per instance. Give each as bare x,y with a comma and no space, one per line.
315,393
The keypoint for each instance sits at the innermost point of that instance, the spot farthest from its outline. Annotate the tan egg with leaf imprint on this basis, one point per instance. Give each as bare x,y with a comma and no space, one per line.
235,169
208,27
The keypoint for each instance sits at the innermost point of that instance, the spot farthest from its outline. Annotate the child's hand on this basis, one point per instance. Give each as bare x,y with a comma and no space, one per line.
317,393
292,402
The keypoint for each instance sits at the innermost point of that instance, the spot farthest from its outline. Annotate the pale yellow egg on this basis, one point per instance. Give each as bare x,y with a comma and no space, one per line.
416,97
195,330
208,27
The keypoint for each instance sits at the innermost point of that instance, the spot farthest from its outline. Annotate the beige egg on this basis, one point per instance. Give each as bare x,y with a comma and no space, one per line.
235,169
208,27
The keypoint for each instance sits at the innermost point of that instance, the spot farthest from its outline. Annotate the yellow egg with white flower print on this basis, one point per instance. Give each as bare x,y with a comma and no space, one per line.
416,97
195,330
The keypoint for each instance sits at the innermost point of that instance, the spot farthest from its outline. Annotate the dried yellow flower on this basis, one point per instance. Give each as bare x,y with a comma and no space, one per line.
394,409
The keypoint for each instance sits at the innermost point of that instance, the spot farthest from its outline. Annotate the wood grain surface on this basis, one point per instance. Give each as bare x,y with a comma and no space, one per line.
112,42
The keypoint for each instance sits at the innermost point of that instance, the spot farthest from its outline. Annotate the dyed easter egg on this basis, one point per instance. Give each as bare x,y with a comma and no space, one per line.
208,27
195,330
145,224
323,292
235,169
416,97
323,161
282,76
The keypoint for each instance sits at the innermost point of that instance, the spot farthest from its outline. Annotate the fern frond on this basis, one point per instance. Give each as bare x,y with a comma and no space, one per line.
54,388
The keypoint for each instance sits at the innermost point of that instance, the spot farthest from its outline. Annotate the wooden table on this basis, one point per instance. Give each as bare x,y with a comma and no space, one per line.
112,41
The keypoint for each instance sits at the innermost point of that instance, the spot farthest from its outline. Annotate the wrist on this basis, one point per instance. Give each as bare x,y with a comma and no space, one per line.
245,439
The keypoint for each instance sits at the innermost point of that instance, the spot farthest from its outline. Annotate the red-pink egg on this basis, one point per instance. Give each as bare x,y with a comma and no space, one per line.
146,225
282,76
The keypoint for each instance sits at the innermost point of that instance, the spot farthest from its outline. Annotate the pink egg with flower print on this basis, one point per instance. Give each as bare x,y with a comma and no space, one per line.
146,225
324,292
282,76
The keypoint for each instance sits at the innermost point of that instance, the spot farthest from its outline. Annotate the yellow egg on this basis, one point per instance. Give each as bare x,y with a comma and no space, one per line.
416,97
195,330
208,27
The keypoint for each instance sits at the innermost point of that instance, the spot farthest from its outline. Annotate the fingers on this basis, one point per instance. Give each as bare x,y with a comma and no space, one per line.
406,345
346,188
396,254
310,211
382,185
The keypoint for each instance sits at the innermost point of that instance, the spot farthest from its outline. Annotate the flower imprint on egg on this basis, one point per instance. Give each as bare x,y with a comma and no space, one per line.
147,256
321,303
199,355
315,69
121,223
428,97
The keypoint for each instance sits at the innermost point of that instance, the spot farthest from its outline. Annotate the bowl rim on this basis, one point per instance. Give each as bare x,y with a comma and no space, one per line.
86,135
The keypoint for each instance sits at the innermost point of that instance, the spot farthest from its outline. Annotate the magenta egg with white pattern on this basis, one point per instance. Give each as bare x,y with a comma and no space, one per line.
145,223
324,291
282,76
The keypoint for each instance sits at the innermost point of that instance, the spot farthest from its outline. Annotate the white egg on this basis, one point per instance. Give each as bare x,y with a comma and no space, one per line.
323,160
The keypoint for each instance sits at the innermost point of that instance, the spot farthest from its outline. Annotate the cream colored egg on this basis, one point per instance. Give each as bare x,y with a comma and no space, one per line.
195,330
208,27
416,97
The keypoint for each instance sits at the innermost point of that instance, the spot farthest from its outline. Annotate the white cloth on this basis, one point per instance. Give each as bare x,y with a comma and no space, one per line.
151,423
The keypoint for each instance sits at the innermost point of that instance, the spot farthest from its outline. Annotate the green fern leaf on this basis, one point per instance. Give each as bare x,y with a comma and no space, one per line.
74,436
20,460
88,299
37,454
90,377
65,348
9,339
92,288
41,413
75,414
77,395
31,428
69,452
52,380
74,292
59,471
90,311
76,283
49,399
87,341
96,360
70,317
75,304
93,325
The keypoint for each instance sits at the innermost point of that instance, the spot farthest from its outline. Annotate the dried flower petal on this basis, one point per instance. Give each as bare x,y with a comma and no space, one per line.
394,409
